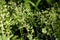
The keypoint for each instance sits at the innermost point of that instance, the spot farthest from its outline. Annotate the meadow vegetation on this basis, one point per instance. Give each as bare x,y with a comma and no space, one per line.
29,19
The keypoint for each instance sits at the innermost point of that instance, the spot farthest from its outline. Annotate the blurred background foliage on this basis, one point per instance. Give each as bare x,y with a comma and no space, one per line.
29,19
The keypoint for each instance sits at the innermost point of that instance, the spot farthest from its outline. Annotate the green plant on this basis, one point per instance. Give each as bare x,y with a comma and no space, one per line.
20,22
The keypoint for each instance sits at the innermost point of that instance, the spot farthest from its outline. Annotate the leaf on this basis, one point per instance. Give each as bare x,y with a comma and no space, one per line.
33,5
49,1
38,2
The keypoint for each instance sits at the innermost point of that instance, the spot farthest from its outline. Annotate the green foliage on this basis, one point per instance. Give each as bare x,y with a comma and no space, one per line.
19,22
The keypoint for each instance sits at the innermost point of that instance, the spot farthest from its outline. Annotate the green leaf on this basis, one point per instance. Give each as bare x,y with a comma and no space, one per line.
33,5
38,2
